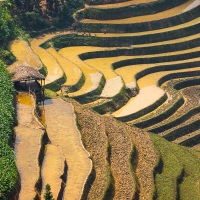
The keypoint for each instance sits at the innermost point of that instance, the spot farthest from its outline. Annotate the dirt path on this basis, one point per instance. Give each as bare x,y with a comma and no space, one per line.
62,132
27,146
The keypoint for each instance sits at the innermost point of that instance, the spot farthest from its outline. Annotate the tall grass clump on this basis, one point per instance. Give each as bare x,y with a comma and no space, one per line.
8,170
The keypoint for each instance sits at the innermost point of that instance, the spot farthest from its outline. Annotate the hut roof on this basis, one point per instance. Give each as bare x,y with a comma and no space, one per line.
25,73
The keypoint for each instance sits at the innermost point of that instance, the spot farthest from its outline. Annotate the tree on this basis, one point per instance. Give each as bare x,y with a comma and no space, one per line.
48,195
7,26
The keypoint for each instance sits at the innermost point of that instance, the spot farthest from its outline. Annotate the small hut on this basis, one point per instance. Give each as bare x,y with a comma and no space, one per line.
27,78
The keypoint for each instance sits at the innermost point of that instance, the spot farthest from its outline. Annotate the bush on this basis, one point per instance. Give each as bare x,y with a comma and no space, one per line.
8,170
7,26
7,57
32,21
48,195
68,8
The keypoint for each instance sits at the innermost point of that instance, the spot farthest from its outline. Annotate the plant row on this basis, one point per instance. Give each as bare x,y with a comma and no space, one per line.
179,170
128,11
171,106
163,112
99,2
90,95
121,155
79,40
139,27
188,110
115,102
100,183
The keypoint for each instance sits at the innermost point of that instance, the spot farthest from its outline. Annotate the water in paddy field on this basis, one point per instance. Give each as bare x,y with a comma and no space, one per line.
26,101
42,116
24,98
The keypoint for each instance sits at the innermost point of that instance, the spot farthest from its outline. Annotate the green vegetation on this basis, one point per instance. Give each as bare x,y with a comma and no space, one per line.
7,26
97,2
49,94
8,170
130,11
180,173
37,16
7,32
48,195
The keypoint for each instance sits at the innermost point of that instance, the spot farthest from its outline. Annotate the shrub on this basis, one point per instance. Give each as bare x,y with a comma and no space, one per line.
7,57
7,26
32,21
8,170
48,195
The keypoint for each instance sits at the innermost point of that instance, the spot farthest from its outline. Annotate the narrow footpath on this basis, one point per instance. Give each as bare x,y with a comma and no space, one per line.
27,145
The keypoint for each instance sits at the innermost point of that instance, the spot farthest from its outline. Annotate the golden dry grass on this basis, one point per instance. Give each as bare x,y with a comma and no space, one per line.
152,79
174,41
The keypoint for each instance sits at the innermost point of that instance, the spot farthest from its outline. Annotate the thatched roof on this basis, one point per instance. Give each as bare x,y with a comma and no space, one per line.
26,73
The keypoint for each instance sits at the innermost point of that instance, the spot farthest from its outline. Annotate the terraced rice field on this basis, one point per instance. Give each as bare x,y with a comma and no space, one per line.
129,84
24,54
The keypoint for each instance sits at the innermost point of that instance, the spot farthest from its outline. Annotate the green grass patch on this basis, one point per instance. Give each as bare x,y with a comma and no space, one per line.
179,163
166,181
56,85
49,94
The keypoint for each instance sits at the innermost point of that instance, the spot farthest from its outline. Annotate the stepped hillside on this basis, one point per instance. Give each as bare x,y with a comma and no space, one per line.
126,125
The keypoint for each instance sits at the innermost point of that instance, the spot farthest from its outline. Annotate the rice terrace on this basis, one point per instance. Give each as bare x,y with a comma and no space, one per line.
100,100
